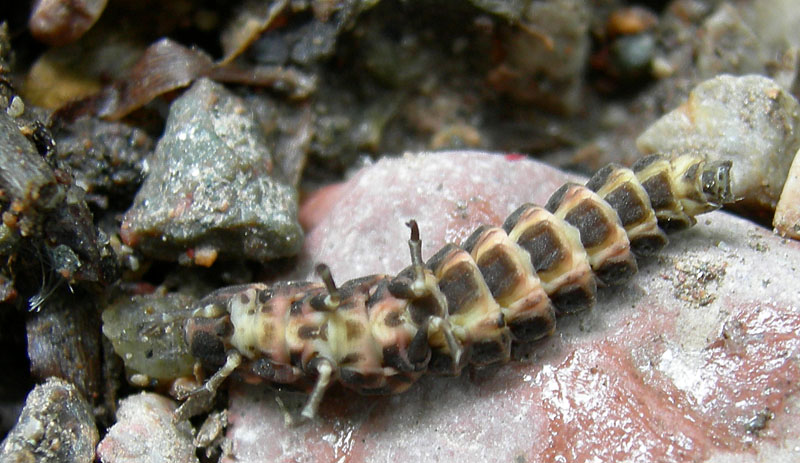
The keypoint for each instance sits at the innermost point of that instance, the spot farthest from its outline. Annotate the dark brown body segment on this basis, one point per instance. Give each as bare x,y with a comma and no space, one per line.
600,229
507,271
471,308
621,189
557,256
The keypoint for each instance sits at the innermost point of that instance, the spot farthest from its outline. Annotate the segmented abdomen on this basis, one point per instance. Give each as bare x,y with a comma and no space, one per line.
468,303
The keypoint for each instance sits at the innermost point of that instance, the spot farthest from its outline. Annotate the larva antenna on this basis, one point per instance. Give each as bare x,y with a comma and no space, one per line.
415,247
333,299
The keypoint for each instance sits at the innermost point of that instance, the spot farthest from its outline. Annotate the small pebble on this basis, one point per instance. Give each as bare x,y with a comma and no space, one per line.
55,426
146,433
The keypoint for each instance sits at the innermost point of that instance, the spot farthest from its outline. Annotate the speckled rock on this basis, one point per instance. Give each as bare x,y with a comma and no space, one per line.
547,53
55,426
210,191
693,360
728,45
105,158
145,433
750,120
787,214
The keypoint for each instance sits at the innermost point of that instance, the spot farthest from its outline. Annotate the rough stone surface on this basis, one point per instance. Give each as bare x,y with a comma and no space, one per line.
63,337
24,175
750,120
693,360
547,56
787,214
55,426
145,433
210,187
105,158
728,45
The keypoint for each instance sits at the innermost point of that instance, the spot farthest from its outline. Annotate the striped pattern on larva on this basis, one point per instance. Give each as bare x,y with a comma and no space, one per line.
468,304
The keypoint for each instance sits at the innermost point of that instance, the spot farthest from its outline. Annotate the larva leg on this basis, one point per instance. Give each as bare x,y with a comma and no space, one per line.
324,371
439,324
200,399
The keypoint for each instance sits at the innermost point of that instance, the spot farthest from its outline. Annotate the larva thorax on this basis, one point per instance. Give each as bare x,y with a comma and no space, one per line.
468,304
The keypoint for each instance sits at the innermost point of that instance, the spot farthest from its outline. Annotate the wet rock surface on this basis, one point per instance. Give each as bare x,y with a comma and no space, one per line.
750,120
693,360
145,433
55,426
211,189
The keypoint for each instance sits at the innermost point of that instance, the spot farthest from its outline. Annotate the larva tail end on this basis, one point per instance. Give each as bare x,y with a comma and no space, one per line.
717,182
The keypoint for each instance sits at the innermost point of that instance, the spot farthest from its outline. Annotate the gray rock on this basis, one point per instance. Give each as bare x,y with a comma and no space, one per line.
56,425
105,158
24,175
63,336
776,22
750,120
210,190
777,25
548,52
728,45
146,433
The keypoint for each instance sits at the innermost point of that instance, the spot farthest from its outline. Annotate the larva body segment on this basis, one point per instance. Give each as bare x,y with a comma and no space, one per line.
556,254
601,233
477,320
468,304
621,190
515,286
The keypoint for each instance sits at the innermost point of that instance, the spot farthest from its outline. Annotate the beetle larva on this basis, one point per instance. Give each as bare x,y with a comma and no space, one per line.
467,305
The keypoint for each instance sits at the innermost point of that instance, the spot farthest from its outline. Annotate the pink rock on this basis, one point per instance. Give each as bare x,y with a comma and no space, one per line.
145,433
696,359
449,195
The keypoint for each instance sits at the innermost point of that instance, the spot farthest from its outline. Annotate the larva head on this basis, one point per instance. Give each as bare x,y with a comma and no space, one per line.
717,182
146,332
208,333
